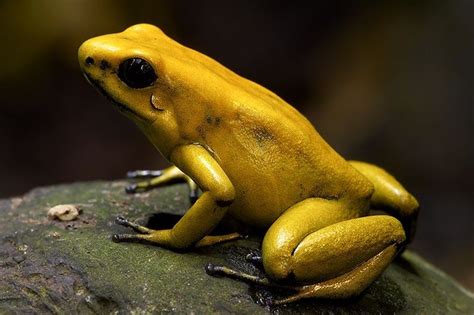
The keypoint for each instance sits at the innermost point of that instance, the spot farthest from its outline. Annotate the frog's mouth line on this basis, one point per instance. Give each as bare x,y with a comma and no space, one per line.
97,84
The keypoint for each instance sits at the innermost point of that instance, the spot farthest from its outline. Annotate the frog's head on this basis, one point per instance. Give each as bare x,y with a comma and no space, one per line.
128,68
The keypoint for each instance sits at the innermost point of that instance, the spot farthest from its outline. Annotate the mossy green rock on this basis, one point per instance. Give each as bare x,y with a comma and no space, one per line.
48,266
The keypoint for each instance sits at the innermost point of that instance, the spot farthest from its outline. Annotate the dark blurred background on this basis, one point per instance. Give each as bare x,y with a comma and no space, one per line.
385,82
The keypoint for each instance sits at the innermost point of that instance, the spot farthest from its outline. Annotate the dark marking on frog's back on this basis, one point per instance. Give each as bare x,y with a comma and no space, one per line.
201,131
215,121
104,64
208,123
261,134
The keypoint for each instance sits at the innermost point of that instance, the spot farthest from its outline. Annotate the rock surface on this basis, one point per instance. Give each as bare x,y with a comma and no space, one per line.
73,267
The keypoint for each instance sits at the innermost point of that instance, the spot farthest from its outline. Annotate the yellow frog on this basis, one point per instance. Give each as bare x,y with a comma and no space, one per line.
257,160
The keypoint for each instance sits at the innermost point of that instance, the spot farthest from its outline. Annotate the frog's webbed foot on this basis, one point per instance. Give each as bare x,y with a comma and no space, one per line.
155,178
298,292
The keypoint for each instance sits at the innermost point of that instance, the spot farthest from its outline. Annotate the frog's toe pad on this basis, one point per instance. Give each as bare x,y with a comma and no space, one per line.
116,238
253,258
121,220
212,270
144,173
131,189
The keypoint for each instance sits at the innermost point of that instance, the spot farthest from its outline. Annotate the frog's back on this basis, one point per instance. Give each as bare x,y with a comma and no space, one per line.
275,158
271,153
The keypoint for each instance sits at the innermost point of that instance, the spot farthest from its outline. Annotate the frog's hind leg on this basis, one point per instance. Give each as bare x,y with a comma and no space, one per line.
326,253
161,177
390,196
335,261
347,285
354,282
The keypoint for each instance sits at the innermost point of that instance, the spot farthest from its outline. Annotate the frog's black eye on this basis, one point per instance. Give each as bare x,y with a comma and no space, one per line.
137,73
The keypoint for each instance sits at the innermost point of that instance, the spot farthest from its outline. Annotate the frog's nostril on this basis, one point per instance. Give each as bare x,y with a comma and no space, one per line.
89,61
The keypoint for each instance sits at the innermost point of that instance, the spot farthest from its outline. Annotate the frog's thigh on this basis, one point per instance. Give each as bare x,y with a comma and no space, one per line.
327,251
389,193
391,196
339,248
293,226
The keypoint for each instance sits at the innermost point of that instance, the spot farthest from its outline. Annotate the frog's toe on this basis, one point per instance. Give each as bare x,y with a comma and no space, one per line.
128,238
131,189
121,220
144,173
210,269
139,187
136,227
219,270
117,238
254,258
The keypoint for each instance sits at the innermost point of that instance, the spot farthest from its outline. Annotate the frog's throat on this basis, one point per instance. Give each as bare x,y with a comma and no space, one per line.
124,109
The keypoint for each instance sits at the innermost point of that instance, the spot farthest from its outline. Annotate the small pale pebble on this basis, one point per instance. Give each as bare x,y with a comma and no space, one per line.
63,212
55,235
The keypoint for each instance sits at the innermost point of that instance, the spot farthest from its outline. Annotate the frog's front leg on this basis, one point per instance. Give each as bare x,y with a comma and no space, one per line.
218,194
205,241
161,177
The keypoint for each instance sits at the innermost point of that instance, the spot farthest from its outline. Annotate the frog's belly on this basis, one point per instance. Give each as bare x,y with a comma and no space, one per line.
263,193
262,198
259,210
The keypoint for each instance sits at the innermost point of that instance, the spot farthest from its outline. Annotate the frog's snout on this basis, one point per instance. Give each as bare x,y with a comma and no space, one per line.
84,56
87,58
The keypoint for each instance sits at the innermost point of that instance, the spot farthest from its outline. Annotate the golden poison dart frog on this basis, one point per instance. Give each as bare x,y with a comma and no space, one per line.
256,160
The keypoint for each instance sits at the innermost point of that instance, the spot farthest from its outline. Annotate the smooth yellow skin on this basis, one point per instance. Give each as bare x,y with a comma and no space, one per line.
259,161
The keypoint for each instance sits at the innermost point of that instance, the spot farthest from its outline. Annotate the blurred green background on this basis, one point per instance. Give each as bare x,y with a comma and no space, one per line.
385,82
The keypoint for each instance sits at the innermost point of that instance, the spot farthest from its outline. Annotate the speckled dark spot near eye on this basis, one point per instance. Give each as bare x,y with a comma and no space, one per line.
104,64
201,131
